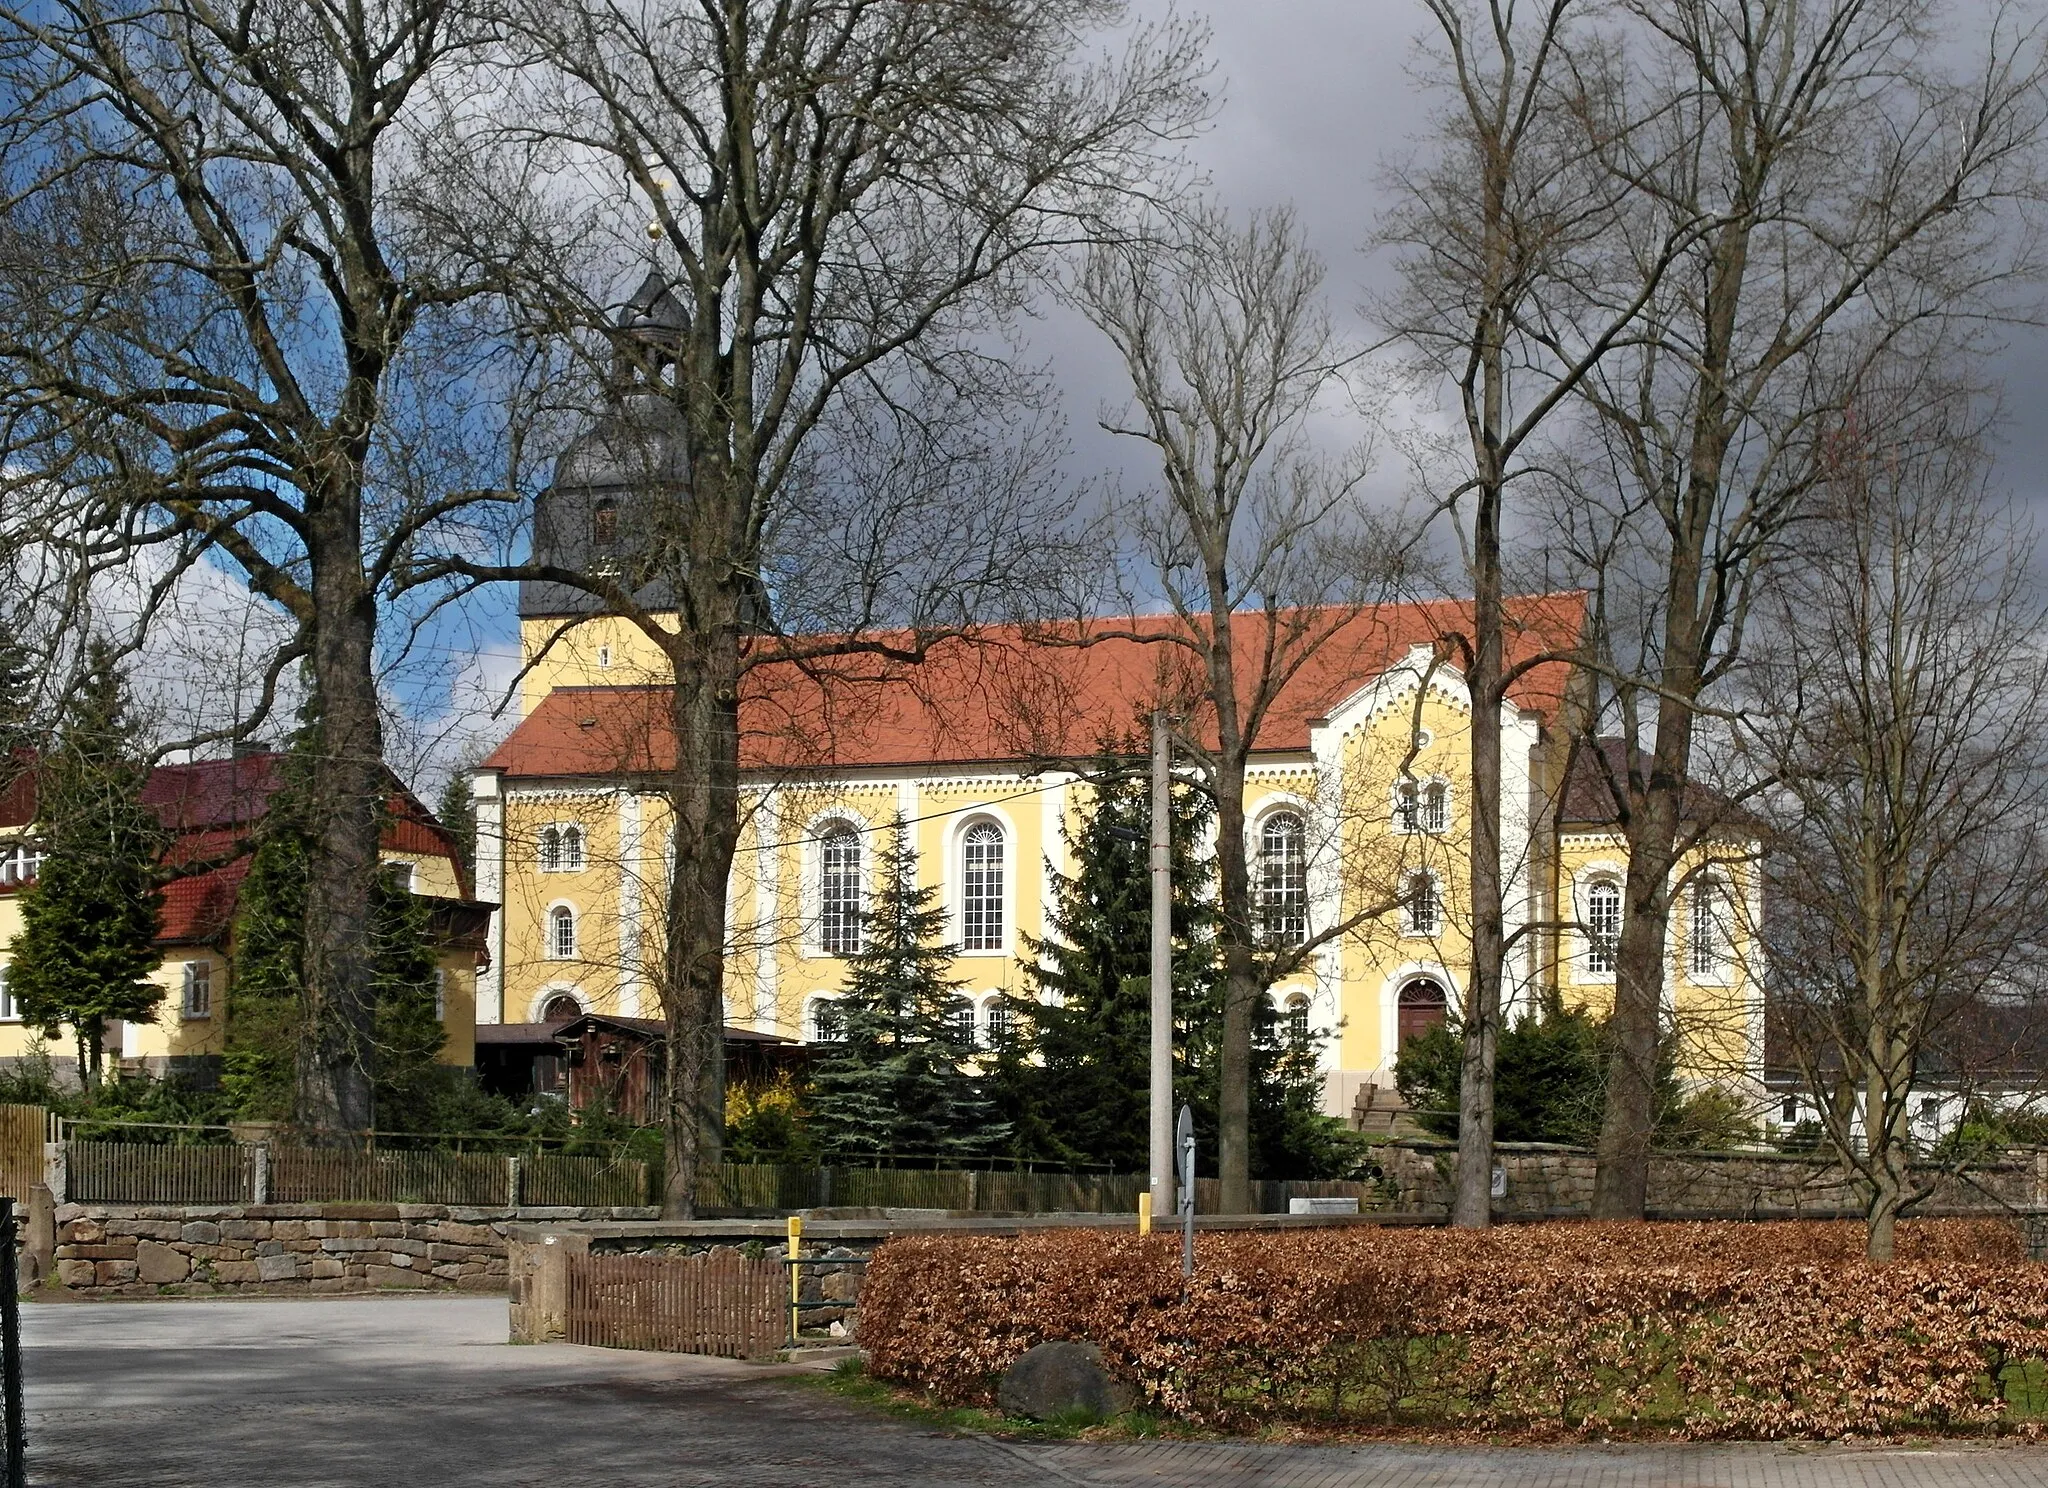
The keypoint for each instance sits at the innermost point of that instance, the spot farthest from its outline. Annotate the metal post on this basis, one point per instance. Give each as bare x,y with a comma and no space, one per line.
796,1286
10,1349
1162,966
1184,1132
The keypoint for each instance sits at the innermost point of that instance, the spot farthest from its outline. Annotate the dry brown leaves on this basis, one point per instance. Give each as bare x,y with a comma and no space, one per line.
1772,1330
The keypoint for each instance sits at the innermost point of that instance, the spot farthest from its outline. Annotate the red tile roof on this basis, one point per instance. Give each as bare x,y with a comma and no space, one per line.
213,807
1002,697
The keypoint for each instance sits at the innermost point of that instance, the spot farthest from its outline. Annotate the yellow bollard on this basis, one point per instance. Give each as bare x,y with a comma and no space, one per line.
796,1286
1145,1212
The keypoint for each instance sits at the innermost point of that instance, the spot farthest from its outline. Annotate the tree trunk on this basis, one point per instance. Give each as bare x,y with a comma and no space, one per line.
1241,992
1621,1183
336,1053
703,792
1472,1205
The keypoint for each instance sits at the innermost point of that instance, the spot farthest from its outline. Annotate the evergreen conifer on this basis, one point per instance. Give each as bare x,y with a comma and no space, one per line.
87,944
900,1079
458,815
266,1003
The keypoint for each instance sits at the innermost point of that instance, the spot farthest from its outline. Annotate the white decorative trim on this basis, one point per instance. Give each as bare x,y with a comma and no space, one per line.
486,794
809,866
549,993
1577,946
632,882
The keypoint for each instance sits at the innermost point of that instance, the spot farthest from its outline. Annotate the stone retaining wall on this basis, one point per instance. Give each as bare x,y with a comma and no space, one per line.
109,1250
1545,1180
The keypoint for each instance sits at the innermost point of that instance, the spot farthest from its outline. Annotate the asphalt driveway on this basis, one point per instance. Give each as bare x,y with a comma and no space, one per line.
424,1391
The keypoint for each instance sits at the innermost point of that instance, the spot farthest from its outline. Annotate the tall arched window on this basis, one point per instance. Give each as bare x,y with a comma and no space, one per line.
1707,942
981,888
1283,879
839,892
572,849
960,1023
1603,927
551,849
1422,908
562,933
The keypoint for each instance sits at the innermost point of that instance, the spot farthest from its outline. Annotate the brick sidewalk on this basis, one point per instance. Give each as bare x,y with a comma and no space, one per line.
1224,1465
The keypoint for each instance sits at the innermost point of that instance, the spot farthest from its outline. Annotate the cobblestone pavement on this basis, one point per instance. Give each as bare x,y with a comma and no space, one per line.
423,1391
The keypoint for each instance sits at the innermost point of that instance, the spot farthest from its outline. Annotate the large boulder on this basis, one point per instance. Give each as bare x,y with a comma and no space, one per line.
1062,1380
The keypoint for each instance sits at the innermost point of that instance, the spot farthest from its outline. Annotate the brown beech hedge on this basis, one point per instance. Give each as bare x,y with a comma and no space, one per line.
1757,1330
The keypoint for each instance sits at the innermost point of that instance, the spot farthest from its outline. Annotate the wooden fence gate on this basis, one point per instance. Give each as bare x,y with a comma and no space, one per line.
21,1151
717,1303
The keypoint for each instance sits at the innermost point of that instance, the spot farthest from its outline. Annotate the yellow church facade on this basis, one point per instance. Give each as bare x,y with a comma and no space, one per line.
1356,811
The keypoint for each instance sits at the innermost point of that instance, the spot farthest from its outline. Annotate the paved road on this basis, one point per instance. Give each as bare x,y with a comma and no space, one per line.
423,1391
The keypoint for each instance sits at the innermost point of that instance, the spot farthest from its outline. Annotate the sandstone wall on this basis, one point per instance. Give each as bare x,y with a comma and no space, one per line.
1543,1180
106,1250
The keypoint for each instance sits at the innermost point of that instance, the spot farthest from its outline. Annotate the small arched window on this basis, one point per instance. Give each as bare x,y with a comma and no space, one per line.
1421,906
996,1022
827,1023
551,849
1283,879
839,892
1603,927
981,888
604,526
960,1024
562,933
561,849
561,1009
1297,1020
572,849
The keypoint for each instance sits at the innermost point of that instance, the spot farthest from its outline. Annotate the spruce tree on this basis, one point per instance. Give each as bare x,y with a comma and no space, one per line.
458,816
1076,1076
87,944
900,1080
266,1018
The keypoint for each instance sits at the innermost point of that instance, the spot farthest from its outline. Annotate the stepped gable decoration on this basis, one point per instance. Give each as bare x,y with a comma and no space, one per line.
1004,695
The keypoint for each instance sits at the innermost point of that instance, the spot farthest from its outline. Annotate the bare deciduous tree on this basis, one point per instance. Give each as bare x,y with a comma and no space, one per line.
231,334
1258,543
1849,199
1510,294
846,201
1901,699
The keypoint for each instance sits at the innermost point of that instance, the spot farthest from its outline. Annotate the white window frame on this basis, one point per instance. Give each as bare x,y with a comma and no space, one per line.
1258,856
1714,893
567,835
412,874
1420,823
1297,1007
819,837
9,1013
440,994
1005,905
992,1019
192,1008
1411,928
551,947
1587,966
812,1006
20,863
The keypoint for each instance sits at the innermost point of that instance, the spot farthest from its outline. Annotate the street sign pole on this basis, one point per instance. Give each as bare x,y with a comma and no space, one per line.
1184,1139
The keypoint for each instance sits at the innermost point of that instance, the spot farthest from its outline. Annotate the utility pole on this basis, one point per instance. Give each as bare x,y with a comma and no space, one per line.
1162,1155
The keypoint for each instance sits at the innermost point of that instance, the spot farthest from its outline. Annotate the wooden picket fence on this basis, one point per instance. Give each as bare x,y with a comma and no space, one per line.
718,1303
315,1175
22,1131
145,1173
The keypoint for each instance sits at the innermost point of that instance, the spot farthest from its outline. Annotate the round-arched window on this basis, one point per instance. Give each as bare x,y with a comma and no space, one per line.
1283,879
839,891
827,1022
1297,1020
561,1008
562,933
981,888
1603,926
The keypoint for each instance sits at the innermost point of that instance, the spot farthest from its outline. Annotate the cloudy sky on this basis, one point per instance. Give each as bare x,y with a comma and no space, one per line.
1316,95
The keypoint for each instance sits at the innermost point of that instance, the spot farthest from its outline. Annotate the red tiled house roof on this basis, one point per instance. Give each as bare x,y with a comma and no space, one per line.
213,807
1007,696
